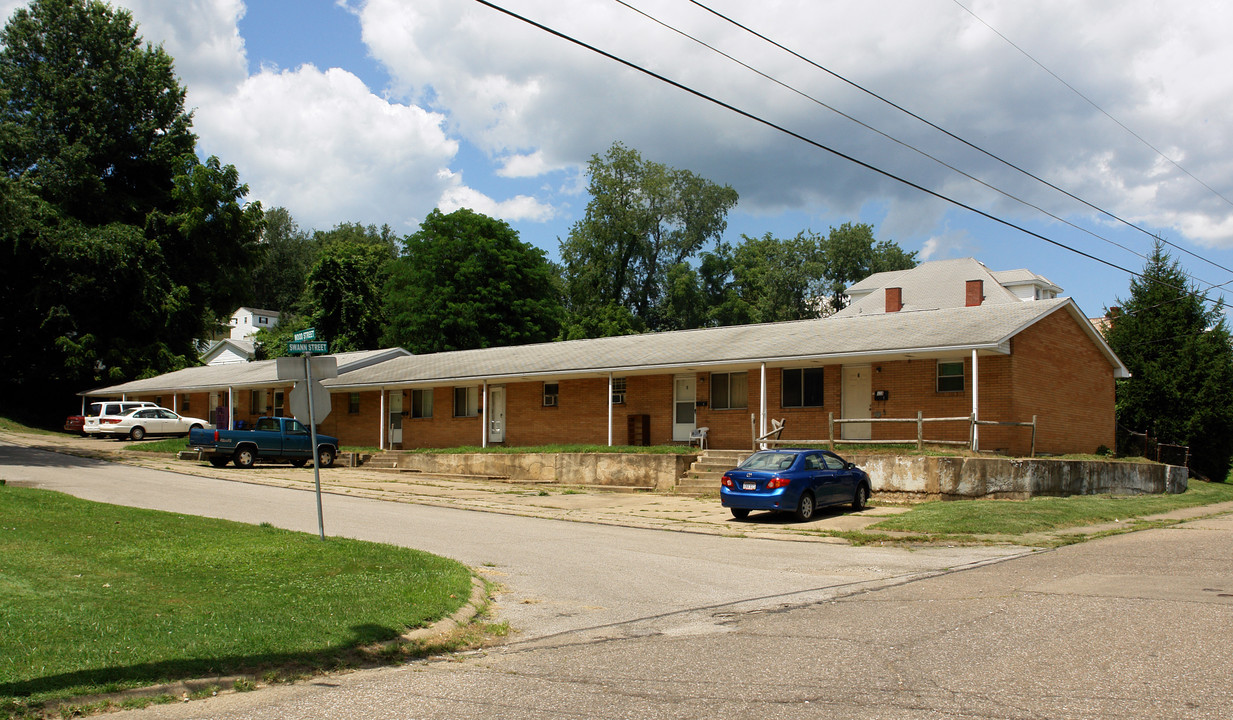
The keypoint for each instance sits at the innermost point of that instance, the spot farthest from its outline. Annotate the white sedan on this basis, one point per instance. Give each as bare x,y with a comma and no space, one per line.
141,422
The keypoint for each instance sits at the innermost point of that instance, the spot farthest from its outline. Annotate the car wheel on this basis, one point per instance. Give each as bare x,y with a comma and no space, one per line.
298,463
195,426
218,461
137,433
740,513
804,508
244,458
325,457
861,499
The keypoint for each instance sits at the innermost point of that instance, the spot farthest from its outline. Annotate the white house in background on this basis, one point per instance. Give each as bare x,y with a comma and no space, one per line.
229,352
962,282
245,322
239,347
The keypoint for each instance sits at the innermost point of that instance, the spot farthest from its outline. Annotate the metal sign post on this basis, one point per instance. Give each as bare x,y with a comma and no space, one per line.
307,344
312,431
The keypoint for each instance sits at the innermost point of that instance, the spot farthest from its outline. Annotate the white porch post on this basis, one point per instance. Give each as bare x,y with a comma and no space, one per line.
175,402
484,430
382,421
975,403
762,404
230,408
609,409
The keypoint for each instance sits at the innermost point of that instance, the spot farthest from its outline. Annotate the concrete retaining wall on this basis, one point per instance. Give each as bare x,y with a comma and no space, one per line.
653,472
960,478
903,476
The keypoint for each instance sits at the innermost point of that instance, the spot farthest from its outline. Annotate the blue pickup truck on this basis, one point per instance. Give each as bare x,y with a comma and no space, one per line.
273,439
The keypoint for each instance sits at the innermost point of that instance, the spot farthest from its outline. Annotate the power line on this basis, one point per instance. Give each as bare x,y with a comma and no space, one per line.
951,135
1091,102
746,114
895,140
763,121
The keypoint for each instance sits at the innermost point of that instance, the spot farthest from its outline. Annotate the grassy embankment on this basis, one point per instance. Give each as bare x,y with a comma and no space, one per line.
99,598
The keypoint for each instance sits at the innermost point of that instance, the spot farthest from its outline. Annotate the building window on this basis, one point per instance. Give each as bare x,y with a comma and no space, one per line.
729,390
353,404
950,376
466,401
551,393
421,403
257,401
802,387
279,400
184,404
618,391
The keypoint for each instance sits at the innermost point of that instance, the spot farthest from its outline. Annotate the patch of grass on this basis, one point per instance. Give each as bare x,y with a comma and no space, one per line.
164,597
166,445
1043,514
15,427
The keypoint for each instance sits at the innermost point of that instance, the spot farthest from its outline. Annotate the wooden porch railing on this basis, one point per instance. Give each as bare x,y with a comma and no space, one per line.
919,420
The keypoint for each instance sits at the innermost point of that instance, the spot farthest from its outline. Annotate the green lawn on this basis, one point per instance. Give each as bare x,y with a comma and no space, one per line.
99,597
1042,514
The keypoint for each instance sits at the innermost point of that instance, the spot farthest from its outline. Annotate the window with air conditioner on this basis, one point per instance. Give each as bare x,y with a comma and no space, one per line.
551,393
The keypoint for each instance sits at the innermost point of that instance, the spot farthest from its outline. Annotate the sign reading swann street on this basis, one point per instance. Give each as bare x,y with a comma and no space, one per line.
305,335
318,347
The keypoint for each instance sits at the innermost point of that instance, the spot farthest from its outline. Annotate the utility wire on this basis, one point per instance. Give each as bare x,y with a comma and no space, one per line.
746,114
895,140
762,121
953,136
1089,101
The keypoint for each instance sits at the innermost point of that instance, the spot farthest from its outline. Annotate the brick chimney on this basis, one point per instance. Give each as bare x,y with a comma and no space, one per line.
976,292
894,299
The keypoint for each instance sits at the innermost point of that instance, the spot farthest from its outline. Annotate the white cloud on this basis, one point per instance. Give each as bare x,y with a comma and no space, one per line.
322,145
517,92
522,207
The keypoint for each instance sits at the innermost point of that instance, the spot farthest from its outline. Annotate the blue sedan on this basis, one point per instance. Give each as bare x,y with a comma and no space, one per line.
793,480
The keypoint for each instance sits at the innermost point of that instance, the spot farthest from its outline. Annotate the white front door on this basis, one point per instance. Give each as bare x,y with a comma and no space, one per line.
857,401
684,393
395,418
496,414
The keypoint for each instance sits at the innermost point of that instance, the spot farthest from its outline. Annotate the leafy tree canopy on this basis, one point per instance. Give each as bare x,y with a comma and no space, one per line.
643,219
466,281
119,246
849,254
345,290
1178,351
278,282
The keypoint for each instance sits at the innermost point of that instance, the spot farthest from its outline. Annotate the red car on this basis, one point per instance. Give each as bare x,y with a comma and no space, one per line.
75,424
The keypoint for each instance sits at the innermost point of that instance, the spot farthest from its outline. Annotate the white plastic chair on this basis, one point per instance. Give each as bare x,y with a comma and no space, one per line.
698,435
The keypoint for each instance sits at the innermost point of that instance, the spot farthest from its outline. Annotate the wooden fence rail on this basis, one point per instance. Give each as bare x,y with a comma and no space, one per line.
919,420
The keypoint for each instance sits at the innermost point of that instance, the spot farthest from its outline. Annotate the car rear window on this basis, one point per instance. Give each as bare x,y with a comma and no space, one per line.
769,461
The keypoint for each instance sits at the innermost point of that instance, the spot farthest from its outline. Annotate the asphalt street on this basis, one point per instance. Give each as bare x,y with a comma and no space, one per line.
619,622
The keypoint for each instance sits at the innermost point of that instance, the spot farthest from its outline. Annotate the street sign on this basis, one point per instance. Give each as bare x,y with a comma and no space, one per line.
305,335
319,347
297,400
292,368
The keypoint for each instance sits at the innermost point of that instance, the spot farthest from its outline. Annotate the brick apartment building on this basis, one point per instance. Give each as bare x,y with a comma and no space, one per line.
944,339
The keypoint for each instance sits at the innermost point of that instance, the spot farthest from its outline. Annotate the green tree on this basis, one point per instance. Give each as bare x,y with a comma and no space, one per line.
766,279
289,253
345,294
466,281
643,219
850,254
359,234
95,121
1178,351
118,246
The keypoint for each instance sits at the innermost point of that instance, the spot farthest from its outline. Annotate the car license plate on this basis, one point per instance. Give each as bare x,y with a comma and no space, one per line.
749,486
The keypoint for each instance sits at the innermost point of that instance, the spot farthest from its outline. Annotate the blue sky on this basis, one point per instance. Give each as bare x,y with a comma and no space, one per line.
377,111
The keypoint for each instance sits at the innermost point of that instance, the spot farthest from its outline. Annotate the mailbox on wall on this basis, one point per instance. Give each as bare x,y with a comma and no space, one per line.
881,394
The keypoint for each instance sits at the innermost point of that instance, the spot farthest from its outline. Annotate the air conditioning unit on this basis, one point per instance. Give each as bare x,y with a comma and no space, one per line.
550,400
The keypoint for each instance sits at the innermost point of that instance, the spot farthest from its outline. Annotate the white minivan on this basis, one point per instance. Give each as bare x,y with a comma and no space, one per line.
111,408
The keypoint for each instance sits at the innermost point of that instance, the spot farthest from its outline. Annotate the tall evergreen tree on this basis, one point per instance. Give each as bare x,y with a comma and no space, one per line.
1177,348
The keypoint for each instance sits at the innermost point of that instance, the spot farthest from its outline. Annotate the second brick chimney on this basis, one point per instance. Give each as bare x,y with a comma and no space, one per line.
975,293
894,299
